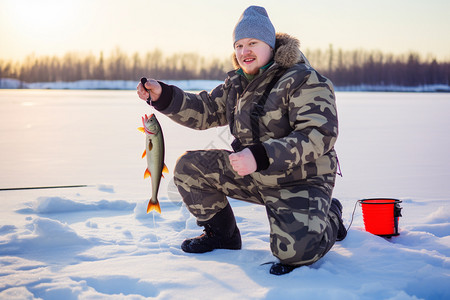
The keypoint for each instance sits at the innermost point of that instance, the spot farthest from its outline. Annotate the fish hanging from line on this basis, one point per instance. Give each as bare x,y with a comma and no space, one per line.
154,150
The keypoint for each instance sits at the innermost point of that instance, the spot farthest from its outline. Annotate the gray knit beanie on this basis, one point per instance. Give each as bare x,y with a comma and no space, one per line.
255,23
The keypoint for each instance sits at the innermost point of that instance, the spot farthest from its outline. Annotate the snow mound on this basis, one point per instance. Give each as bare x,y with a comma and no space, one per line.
52,205
54,233
40,237
441,215
17,293
105,188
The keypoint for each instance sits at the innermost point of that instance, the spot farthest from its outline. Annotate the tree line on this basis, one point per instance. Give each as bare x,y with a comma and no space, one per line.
344,68
349,68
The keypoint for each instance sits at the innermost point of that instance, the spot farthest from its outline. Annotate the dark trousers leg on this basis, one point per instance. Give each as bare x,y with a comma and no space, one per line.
205,179
301,228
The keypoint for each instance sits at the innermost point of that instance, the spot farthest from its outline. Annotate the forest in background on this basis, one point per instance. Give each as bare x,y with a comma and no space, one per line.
343,67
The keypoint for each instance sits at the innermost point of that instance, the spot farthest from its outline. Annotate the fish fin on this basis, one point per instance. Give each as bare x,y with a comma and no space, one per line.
165,169
147,174
150,145
144,154
141,129
153,206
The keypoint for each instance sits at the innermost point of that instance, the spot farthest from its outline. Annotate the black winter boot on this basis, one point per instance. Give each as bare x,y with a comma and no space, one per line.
221,232
336,208
281,269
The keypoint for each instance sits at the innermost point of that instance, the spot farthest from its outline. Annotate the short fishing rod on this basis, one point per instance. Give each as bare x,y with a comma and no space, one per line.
43,187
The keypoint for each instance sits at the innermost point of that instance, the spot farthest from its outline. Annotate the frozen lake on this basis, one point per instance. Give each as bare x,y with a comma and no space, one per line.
98,242
388,141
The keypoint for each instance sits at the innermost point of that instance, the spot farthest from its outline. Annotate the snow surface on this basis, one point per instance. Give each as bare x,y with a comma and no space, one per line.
8,83
97,242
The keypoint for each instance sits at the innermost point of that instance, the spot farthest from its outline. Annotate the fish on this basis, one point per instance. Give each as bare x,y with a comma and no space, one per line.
154,151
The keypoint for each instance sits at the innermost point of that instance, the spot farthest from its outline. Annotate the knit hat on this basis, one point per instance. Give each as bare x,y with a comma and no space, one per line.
255,23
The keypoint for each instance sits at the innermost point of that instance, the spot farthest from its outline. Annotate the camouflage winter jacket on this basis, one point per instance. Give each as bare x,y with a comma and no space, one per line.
298,127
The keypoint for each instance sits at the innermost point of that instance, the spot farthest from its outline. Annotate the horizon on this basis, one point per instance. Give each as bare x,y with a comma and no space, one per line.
54,28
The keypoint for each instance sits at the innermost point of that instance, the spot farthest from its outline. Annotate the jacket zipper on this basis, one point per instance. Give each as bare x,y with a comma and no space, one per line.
238,101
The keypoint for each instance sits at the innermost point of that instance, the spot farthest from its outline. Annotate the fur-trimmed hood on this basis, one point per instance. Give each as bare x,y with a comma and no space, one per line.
287,52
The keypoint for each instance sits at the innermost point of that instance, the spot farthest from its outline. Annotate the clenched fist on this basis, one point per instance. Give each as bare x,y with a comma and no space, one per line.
243,162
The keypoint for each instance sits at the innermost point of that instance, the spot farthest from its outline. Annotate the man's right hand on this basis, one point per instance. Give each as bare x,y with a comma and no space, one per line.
152,86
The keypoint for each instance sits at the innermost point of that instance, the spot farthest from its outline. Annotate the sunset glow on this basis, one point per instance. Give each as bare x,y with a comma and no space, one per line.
35,17
52,27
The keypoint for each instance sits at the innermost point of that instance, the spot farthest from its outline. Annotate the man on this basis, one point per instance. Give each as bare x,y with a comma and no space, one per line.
283,116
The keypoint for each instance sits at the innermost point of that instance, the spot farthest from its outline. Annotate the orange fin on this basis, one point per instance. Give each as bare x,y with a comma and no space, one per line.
147,174
141,129
165,169
151,206
144,154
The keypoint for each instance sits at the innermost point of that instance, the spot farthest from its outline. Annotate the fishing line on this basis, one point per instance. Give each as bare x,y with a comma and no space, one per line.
154,226
149,99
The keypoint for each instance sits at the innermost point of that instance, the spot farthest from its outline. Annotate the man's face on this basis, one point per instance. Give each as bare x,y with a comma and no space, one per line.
252,54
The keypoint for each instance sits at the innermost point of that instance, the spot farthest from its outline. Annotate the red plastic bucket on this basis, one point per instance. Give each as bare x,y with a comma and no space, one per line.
381,215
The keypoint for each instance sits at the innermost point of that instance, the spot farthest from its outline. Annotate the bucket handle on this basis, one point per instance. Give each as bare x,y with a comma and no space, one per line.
367,201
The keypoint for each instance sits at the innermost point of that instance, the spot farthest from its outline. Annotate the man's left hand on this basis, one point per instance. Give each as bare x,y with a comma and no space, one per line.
243,162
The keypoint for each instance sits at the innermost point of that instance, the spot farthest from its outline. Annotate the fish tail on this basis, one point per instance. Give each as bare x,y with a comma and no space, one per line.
153,206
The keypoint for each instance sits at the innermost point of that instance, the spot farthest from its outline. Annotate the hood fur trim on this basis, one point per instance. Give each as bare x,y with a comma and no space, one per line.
287,52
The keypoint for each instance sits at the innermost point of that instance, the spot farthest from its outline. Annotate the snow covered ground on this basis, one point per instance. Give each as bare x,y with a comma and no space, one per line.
97,242
7,83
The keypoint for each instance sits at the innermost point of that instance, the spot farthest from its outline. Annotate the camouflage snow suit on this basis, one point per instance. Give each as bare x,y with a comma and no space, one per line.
298,129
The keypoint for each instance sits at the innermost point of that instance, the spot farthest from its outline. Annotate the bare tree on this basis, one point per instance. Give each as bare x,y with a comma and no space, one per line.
343,67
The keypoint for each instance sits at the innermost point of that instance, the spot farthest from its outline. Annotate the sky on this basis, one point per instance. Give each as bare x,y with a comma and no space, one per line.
55,27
